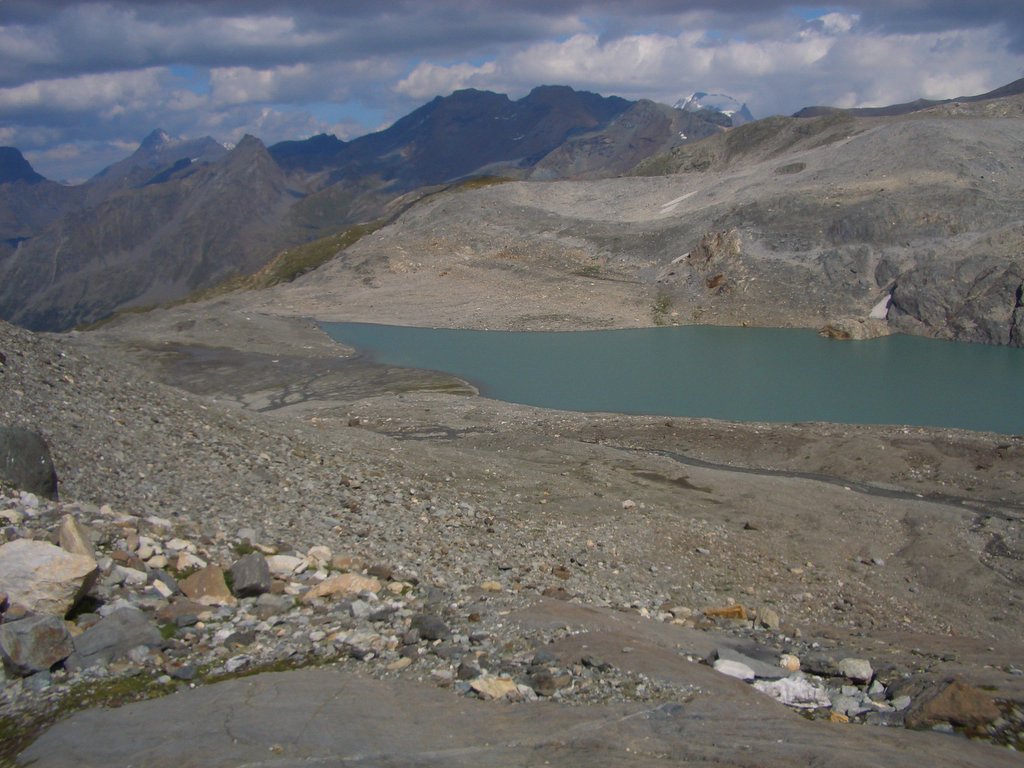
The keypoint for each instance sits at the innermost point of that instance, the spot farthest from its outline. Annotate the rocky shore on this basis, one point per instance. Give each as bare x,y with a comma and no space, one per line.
489,551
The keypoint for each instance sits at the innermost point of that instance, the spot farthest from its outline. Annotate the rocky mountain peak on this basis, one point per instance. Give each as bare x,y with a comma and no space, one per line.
157,139
14,167
722,103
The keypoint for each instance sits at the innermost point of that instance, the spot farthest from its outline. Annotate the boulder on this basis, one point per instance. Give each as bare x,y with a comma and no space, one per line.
954,702
207,587
344,584
795,691
250,576
25,462
430,627
858,670
44,578
283,566
73,537
734,668
736,612
112,637
34,644
495,687
758,667
768,618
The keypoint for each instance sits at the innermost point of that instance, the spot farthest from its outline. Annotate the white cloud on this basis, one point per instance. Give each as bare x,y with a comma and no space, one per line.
91,73
85,93
241,85
428,80
830,60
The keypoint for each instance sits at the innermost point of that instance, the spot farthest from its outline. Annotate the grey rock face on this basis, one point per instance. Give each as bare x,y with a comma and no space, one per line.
34,644
25,462
977,298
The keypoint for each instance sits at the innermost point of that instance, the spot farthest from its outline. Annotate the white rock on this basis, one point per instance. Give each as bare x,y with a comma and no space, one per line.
795,691
735,669
13,516
187,561
44,578
157,561
858,670
283,566
129,576
319,556
161,589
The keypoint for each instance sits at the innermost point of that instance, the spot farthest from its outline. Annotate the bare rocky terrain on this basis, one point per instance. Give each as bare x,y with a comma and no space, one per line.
864,226
453,580
584,559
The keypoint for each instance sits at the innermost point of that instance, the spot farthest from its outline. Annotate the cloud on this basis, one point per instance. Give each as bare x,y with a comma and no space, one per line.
99,74
428,80
831,59
92,93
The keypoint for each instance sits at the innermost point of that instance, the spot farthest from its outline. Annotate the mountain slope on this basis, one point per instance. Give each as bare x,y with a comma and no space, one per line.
28,201
180,215
149,244
643,130
862,225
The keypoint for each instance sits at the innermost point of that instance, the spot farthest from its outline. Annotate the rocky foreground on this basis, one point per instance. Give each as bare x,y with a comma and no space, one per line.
851,595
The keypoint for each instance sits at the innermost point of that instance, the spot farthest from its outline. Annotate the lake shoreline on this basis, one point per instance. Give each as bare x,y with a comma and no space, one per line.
735,374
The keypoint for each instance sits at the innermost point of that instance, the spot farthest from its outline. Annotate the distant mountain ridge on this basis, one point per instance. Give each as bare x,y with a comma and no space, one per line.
456,135
180,215
1015,88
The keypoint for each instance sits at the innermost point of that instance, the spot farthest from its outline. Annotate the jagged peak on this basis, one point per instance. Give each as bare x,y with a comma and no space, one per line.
157,139
14,167
249,143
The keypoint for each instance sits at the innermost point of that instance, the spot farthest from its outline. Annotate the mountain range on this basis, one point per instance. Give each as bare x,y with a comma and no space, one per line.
181,216
177,216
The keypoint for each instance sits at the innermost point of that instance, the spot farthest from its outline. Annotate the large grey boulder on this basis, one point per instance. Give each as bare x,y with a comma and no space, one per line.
250,576
25,462
112,638
44,578
34,644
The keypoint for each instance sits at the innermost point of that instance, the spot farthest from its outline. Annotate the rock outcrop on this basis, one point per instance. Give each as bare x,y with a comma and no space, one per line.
25,462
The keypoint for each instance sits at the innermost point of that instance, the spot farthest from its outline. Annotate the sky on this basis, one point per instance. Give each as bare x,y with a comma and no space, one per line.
81,83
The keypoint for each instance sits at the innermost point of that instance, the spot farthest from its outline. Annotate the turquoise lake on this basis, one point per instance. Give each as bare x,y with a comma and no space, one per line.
739,374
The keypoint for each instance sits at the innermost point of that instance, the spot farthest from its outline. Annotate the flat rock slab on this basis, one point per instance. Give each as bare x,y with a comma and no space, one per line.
332,717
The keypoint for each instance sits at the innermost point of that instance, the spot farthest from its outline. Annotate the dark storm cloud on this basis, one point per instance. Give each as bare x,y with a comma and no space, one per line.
909,16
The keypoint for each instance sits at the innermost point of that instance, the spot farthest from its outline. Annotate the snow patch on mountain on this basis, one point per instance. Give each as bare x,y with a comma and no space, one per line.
716,102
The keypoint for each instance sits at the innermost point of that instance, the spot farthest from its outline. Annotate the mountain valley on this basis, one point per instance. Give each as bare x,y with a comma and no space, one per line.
523,585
